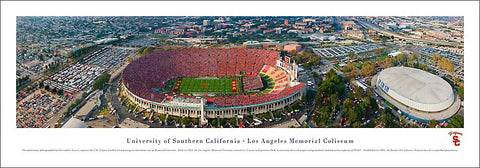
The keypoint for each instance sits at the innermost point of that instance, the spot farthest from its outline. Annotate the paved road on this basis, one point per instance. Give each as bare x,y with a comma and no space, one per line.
122,111
57,116
286,124
370,26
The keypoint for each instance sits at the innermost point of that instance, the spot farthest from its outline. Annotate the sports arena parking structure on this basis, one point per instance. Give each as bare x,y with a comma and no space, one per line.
145,82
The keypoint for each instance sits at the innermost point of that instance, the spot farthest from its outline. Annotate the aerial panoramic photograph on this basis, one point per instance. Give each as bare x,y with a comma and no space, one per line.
239,71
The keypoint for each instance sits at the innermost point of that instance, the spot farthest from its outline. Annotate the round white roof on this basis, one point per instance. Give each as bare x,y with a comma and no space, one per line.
417,85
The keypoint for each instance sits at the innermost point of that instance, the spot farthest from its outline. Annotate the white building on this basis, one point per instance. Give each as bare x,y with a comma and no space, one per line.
394,53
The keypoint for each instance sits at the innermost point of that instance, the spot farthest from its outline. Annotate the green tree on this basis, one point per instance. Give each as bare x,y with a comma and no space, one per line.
386,63
414,125
432,123
387,118
140,50
436,57
373,106
401,58
368,69
349,95
410,59
101,80
460,92
54,90
364,107
352,55
347,104
333,84
402,121
334,101
358,93
357,124
455,122
379,51
41,57
369,92
147,51
415,56
214,123
185,120
350,67
232,121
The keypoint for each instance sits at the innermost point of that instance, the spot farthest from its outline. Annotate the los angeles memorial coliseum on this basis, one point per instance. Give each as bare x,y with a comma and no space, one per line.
211,83
417,93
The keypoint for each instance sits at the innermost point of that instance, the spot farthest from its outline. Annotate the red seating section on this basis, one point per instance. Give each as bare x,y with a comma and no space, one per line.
242,100
280,78
148,72
252,82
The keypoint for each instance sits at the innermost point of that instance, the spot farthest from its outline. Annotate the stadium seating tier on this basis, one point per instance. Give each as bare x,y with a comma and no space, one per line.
155,69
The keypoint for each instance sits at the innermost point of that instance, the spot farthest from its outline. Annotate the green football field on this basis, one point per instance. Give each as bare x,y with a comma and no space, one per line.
196,85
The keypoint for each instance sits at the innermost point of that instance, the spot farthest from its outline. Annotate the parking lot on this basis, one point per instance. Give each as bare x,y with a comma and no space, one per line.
74,78
343,50
37,108
139,43
109,57
457,59
81,75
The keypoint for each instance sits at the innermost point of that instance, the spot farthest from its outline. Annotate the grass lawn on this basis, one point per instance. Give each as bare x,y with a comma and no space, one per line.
170,84
358,65
103,111
382,57
390,105
336,65
196,85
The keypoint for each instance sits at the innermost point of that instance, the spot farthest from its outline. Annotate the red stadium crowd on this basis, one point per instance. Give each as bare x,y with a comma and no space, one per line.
154,70
251,83
244,100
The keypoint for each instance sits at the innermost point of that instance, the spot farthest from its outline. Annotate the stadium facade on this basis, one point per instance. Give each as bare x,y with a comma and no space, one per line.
152,71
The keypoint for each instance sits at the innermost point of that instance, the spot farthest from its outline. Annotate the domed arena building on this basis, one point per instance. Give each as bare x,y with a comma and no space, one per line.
417,93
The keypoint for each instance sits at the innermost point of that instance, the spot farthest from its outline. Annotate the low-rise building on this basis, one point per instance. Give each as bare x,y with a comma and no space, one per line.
129,123
90,106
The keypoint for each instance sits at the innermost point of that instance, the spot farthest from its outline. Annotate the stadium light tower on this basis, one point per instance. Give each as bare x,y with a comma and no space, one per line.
203,120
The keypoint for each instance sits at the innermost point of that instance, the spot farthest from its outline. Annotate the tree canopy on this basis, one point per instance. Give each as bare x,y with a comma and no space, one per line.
456,122
460,92
368,69
387,118
432,123
328,97
101,80
307,56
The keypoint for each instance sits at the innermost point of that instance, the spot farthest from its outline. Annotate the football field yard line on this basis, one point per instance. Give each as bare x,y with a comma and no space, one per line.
195,85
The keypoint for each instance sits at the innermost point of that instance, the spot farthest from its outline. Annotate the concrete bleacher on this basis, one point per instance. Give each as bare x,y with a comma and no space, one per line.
280,78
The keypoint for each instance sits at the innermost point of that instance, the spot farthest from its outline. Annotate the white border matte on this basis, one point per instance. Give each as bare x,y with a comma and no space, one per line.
13,139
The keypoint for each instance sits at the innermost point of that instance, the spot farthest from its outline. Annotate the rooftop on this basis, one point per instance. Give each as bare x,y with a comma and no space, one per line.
129,123
74,123
417,85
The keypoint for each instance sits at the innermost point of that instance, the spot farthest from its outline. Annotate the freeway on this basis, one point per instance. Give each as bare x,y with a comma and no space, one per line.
370,26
